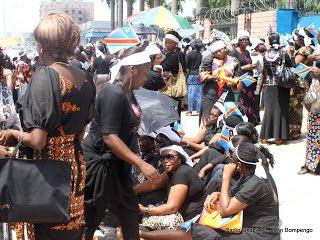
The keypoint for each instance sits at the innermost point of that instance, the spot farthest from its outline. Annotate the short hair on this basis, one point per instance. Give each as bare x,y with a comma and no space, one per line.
58,35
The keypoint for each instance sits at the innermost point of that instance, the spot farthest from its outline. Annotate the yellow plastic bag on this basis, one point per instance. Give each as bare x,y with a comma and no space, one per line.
214,220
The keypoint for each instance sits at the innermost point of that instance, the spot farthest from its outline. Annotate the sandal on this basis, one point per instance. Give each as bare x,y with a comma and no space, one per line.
303,170
188,113
280,142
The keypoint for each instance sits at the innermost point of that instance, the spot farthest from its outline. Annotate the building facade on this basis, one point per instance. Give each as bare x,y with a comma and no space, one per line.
80,11
94,30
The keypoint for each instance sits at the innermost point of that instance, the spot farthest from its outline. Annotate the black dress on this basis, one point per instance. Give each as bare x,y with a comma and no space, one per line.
260,217
115,114
56,105
276,99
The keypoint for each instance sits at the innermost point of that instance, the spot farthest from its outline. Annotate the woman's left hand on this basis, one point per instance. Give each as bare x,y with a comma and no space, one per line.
142,209
229,169
7,138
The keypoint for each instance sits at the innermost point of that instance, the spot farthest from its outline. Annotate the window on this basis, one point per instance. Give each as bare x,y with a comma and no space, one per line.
80,19
72,10
80,12
66,11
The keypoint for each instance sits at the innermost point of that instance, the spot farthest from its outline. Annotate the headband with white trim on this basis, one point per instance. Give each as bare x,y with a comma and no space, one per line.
260,172
132,60
180,150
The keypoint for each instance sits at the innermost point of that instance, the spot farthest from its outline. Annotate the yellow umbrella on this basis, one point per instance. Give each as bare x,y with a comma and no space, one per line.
9,41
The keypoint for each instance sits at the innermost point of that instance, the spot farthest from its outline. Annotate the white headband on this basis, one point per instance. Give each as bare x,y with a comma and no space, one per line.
217,46
132,60
173,38
152,49
260,172
179,150
169,133
220,106
243,33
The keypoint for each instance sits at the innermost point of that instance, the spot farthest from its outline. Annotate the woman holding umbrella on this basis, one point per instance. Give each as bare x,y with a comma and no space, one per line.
113,137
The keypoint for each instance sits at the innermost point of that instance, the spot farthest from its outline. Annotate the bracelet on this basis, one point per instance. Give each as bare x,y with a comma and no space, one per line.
148,211
21,136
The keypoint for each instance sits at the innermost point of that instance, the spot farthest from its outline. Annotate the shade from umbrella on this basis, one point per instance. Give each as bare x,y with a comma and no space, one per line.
162,17
158,110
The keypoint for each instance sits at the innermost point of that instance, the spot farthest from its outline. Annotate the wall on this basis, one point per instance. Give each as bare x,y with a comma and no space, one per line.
287,20
307,21
260,22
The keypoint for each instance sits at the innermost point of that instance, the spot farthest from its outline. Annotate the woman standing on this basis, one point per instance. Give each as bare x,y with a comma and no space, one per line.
312,164
173,57
303,48
246,97
113,138
57,106
193,61
154,79
275,120
217,76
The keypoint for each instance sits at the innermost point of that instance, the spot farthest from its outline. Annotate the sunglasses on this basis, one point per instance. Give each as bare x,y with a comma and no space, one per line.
167,156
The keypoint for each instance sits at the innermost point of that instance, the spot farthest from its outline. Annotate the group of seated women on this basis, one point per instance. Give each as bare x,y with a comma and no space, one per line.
236,177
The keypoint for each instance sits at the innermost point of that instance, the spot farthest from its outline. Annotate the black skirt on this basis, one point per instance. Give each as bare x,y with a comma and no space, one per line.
275,119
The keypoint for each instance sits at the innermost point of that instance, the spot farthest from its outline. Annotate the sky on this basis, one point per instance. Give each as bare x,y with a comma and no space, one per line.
21,16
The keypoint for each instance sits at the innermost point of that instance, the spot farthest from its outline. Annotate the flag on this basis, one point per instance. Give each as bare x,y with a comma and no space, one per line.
178,128
269,28
224,138
121,38
247,79
302,70
186,226
232,109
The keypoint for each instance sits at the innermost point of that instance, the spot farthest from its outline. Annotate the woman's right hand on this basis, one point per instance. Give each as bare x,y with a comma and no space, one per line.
4,152
211,200
149,172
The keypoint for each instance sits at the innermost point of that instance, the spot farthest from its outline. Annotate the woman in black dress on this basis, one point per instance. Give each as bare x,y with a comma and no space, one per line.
113,138
275,120
55,109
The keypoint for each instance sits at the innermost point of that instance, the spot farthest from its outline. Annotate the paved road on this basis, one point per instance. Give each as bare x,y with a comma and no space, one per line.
299,196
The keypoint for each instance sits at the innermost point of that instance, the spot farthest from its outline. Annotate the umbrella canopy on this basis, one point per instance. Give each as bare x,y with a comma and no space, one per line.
189,32
9,41
162,17
158,110
141,29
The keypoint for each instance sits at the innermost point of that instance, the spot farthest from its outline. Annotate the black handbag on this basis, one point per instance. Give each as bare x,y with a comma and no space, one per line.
34,191
286,77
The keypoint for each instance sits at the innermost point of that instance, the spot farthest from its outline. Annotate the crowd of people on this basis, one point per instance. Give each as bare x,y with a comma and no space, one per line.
76,104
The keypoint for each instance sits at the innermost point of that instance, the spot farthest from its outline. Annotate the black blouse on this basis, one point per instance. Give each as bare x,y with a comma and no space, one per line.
154,81
193,62
171,62
48,103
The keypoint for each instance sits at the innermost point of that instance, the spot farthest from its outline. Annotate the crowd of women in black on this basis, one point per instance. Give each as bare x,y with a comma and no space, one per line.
148,185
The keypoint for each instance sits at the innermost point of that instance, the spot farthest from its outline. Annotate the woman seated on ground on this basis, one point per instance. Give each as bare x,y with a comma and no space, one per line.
243,132
255,194
208,132
213,152
186,191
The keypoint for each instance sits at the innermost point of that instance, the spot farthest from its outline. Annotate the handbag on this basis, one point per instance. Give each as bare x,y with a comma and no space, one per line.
286,77
177,86
34,191
171,221
312,99
214,220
